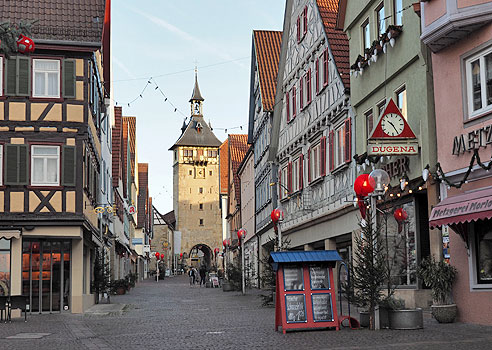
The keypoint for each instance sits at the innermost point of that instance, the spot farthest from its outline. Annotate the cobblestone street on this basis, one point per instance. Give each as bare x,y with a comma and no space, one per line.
171,315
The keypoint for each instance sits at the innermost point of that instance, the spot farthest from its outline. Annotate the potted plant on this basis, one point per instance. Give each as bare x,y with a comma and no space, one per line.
400,317
439,276
120,286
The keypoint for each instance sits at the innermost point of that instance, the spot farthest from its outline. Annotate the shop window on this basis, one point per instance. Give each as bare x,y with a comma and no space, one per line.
483,253
4,267
479,83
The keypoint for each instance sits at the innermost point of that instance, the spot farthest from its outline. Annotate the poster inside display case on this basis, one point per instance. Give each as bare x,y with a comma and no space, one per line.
293,279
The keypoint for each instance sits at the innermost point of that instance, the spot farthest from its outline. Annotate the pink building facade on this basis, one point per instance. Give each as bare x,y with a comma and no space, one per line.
460,35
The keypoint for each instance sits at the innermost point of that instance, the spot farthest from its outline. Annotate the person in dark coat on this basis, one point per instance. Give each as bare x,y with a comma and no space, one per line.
203,273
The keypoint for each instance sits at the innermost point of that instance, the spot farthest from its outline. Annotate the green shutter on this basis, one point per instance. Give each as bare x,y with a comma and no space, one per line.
16,164
68,161
23,165
11,77
69,78
24,76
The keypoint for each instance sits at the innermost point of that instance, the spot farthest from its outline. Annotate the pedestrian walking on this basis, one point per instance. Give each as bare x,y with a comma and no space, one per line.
203,273
195,271
191,273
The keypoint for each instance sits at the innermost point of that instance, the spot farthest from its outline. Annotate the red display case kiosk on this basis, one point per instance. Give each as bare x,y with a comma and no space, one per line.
305,293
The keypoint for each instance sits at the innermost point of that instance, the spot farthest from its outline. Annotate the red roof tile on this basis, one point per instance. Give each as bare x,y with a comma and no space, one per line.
337,39
224,166
267,46
238,146
64,20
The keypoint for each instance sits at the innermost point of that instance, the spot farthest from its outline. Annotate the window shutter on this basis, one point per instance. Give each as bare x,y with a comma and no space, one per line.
301,93
298,29
68,166
305,19
309,164
325,67
11,76
23,76
15,164
293,102
289,177
301,171
308,85
317,76
280,183
348,143
332,151
287,99
69,78
322,155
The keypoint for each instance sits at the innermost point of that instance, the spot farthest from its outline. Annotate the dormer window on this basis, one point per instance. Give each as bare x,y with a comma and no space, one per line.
199,127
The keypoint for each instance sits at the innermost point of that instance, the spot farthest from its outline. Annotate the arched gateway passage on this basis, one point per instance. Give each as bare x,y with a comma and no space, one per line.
201,254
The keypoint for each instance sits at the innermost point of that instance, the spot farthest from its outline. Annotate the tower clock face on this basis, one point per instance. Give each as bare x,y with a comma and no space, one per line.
392,124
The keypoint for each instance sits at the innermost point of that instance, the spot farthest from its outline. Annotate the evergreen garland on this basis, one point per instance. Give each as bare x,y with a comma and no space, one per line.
9,33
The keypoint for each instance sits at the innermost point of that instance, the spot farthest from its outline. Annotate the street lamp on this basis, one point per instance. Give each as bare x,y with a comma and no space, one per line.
241,235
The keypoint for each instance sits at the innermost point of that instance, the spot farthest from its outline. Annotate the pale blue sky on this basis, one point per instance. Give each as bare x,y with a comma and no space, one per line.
164,39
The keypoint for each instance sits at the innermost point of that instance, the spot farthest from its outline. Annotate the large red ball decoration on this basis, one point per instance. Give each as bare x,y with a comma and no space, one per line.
162,256
362,186
400,214
277,215
157,255
25,44
241,233
181,255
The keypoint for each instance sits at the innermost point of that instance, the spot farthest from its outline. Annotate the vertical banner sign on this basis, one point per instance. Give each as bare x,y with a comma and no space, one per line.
177,242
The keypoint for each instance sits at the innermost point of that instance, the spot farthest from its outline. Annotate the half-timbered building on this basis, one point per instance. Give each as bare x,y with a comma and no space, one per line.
51,111
311,134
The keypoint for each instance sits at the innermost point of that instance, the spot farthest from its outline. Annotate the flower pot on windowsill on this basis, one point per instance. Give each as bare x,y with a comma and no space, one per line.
444,313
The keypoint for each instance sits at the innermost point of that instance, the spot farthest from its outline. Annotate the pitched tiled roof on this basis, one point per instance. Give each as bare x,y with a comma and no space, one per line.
224,166
267,46
170,218
132,126
337,39
195,136
238,146
63,20
116,145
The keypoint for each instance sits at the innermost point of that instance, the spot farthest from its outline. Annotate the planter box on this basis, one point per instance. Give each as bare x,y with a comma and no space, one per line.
227,287
444,313
383,318
406,319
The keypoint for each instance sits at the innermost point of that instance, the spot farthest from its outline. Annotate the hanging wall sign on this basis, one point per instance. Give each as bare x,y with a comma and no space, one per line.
392,134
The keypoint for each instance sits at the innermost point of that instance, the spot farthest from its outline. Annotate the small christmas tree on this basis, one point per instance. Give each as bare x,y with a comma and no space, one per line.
368,271
102,274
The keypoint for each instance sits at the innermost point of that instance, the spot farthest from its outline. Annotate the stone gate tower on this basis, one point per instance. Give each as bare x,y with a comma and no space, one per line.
196,187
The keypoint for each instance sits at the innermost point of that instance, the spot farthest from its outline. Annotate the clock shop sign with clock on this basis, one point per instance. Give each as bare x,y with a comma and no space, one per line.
392,135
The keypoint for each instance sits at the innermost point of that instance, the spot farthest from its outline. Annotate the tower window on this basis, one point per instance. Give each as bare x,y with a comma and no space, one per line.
201,222
190,172
212,153
201,206
210,172
190,206
200,190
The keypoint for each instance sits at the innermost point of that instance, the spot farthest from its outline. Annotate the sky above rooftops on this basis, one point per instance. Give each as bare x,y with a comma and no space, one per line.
164,40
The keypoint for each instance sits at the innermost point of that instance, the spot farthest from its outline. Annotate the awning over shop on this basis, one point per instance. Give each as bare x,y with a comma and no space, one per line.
9,234
459,210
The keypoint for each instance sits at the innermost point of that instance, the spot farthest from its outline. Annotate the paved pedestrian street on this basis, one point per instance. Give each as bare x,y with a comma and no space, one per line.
172,315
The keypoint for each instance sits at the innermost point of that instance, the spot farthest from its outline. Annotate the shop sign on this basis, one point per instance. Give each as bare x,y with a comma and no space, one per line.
462,208
393,149
473,140
137,241
398,168
146,248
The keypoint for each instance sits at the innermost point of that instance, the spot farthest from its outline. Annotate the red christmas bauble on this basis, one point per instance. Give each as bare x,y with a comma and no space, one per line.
241,233
181,255
25,44
400,214
157,255
362,186
277,215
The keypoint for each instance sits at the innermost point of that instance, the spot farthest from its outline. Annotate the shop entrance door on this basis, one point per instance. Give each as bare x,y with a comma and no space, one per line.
46,274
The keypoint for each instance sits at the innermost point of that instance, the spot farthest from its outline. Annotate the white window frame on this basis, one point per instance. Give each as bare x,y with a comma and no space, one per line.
1,164
57,157
483,84
403,109
339,146
398,12
315,160
380,22
1,76
284,181
472,263
34,71
295,175
366,43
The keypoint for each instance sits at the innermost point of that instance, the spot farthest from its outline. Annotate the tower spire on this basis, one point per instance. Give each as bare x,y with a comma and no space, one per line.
196,96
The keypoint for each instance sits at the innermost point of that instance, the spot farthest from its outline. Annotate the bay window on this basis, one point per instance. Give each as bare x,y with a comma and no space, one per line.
46,78
45,165
479,83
